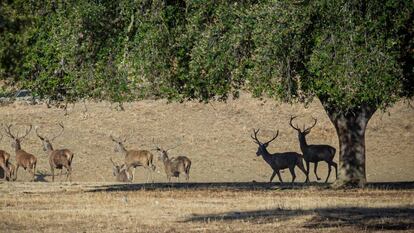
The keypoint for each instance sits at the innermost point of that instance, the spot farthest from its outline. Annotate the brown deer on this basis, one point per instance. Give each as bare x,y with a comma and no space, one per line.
23,159
120,172
58,159
278,161
174,166
4,160
135,158
314,153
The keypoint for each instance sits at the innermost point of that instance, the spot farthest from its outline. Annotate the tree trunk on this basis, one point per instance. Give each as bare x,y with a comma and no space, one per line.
350,128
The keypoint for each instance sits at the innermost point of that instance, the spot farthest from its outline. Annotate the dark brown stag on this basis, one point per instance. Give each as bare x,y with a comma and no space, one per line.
314,153
278,161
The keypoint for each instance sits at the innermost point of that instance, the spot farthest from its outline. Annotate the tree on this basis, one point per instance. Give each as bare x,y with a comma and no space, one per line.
355,56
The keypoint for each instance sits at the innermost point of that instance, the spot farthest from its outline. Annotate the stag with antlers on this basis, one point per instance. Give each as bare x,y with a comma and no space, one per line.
23,159
278,161
314,153
174,166
58,159
135,158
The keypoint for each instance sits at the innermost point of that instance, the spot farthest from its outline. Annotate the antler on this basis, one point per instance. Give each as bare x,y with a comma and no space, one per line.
255,136
8,132
37,133
117,140
290,123
274,137
175,146
112,138
257,140
113,162
157,147
61,132
27,132
308,129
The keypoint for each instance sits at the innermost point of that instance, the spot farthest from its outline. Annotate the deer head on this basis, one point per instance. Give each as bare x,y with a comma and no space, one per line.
163,152
46,142
16,139
262,150
119,144
305,131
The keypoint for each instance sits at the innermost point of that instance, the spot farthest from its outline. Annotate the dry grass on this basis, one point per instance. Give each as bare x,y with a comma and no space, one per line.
40,207
216,138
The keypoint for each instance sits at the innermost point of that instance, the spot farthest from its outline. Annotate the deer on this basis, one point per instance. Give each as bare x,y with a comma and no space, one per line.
59,158
4,160
120,172
135,158
23,159
174,166
315,153
278,161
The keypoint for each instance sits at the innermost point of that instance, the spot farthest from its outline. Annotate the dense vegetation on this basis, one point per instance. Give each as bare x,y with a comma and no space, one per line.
355,56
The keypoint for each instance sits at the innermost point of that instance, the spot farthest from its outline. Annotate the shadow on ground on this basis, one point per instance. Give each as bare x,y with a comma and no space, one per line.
235,186
364,218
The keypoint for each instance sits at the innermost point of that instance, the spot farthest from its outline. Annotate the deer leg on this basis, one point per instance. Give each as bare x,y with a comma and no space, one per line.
52,169
304,172
336,168
128,170
17,168
6,172
278,175
292,172
69,173
315,169
329,172
307,171
273,176
151,175
34,172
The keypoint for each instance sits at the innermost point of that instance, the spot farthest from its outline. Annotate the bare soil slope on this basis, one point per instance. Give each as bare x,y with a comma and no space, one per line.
215,136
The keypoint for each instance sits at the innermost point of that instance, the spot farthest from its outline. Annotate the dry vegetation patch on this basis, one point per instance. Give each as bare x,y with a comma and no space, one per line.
91,208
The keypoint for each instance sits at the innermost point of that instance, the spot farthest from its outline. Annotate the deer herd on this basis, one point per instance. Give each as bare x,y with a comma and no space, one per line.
173,166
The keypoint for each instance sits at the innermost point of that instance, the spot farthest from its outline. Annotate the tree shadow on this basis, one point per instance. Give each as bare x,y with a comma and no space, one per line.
359,217
234,186
238,186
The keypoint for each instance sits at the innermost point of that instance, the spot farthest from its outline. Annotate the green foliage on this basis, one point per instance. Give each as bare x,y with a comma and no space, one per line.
346,53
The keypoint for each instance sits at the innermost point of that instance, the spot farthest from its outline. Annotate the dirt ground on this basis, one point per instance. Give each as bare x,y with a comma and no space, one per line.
215,136
227,190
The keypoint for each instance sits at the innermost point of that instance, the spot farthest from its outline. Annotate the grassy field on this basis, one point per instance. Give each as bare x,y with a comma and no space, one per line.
207,207
227,192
